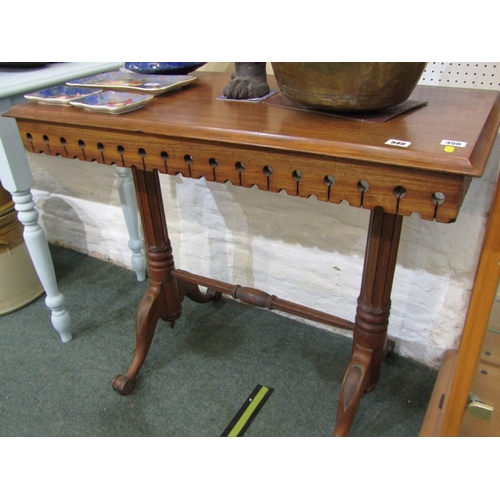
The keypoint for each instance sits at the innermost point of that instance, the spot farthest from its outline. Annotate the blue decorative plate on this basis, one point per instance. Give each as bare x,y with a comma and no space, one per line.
112,102
60,95
146,84
163,68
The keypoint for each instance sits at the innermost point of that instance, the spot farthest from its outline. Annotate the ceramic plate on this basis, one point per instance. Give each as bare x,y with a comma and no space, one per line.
60,95
163,68
112,102
147,84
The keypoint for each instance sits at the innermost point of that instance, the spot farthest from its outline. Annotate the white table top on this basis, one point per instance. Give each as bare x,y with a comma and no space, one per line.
15,81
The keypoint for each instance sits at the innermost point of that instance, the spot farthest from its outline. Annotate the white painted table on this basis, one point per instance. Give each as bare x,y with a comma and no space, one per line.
16,177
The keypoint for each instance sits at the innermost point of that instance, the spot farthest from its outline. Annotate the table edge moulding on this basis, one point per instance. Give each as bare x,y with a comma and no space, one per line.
421,161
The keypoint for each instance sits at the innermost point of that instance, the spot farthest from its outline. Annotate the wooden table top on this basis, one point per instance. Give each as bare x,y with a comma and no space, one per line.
466,115
193,122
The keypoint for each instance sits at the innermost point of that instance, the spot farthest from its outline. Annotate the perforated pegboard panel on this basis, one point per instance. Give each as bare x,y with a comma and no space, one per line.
478,75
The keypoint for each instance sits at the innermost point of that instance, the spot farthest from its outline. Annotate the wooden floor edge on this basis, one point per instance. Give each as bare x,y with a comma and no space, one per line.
433,420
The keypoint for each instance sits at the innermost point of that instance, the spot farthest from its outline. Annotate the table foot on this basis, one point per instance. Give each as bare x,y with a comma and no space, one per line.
196,294
352,390
152,308
123,384
60,318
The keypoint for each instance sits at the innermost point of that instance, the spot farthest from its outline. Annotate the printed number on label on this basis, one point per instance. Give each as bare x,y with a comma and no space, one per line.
396,142
455,144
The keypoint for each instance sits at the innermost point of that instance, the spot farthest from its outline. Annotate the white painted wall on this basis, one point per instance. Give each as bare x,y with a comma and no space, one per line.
258,239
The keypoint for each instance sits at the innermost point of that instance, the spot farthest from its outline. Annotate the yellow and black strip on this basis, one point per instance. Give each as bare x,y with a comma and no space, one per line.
246,414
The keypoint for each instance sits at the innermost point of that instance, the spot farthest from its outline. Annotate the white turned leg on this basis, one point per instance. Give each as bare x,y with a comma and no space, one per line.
126,190
16,178
36,242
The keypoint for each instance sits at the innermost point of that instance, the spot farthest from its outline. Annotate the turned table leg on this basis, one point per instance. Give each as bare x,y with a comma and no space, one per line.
372,316
17,179
128,201
162,300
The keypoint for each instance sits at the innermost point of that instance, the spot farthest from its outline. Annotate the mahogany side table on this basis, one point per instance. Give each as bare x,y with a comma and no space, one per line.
421,161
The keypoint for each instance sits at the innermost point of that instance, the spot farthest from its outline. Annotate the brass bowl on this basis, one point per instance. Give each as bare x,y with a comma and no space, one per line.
348,86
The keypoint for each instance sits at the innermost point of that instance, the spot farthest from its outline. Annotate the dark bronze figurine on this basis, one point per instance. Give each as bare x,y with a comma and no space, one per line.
248,80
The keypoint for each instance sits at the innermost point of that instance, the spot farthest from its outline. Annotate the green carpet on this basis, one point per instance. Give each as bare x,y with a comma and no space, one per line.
196,376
